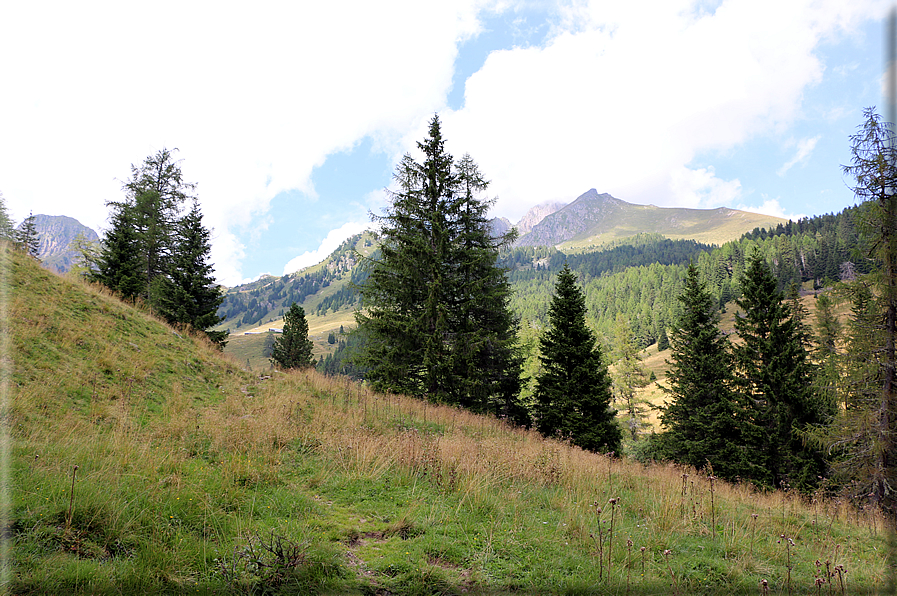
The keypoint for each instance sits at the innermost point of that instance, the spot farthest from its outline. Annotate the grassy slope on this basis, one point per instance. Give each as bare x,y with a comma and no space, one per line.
187,465
710,226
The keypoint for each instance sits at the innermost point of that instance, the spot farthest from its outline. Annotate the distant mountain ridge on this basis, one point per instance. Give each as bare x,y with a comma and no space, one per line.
593,219
502,225
55,235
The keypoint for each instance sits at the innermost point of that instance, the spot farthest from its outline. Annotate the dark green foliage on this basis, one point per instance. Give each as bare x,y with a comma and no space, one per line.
775,373
573,391
155,253
344,361
437,322
706,420
119,264
188,295
27,236
293,348
331,338
663,340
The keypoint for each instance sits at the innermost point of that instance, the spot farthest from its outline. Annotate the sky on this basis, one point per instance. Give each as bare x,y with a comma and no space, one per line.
291,116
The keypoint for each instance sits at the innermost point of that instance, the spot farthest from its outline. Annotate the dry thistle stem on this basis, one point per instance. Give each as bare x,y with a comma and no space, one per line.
68,517
675,584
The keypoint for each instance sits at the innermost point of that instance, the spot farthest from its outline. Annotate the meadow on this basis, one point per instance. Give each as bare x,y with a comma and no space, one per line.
141,460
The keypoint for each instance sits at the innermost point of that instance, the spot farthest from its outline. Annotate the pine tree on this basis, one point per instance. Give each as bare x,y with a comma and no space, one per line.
573,390
436,315
293,348
775,372
705,421
188,294
27,236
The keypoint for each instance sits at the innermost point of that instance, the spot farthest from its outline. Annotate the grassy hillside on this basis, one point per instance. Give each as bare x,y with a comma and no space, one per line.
143,461
708,226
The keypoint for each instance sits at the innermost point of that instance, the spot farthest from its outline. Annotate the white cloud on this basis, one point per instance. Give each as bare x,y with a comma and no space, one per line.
253,98
330,243
700,188
802,155
630,93
770,207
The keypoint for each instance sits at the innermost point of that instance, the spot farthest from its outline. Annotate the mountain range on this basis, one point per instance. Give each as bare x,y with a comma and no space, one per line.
594,219
591,220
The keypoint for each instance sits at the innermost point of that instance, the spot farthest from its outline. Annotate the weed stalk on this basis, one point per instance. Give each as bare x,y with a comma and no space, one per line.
610,538
68,517
675,584
788,544
753,528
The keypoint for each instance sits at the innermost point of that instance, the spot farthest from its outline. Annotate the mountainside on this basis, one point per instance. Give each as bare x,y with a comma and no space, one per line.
594,219
55,234
143,461
536,215
500,226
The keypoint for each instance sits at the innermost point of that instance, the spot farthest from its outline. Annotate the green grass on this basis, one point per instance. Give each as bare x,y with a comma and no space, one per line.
195,476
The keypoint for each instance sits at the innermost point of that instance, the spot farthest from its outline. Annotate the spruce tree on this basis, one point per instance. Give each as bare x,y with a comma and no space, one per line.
485,362
573,390
119,263
705,421
188,294
436,315
293,348
775,372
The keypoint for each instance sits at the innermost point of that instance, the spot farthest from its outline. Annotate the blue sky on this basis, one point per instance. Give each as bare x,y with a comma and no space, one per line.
290,117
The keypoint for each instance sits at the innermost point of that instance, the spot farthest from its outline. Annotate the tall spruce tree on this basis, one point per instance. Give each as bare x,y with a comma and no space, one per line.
573,390
775,372
292,349
435,316
188,294
485,362
706,419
